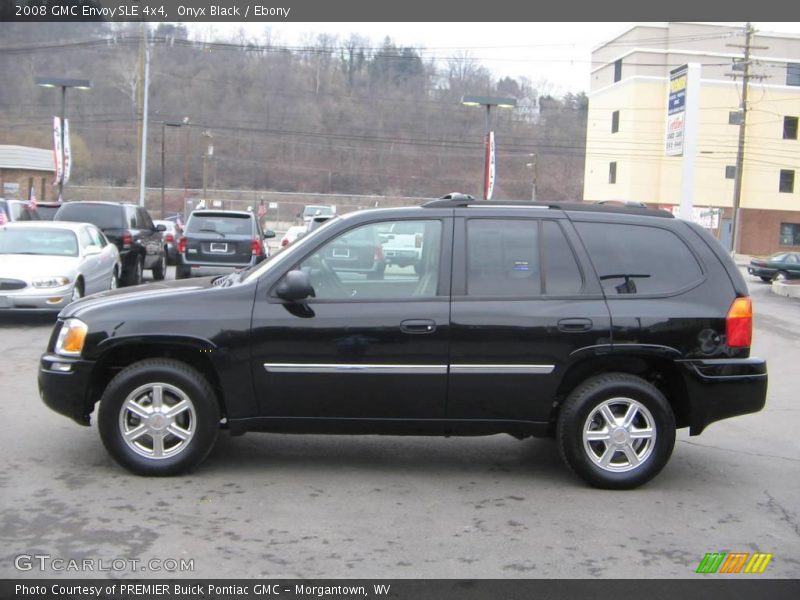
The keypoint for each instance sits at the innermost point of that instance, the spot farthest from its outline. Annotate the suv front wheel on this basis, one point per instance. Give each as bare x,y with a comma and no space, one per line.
616,431
159,417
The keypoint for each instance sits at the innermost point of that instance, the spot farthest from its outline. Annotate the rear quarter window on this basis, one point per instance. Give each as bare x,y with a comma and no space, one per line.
639,259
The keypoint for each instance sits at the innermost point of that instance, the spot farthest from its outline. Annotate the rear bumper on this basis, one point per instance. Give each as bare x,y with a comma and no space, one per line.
66,391
723,388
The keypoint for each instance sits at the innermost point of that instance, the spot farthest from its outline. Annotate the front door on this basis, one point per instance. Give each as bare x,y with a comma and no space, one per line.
372,343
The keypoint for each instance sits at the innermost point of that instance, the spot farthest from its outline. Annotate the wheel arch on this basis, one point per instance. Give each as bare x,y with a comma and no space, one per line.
655,368
116,356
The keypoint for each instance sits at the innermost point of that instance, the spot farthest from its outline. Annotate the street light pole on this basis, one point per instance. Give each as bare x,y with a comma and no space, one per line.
488,102
53,82
532,166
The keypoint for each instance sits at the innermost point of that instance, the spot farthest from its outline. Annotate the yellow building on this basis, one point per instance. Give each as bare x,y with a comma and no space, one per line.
625,142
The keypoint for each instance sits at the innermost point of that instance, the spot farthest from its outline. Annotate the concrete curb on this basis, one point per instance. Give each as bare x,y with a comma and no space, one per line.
786,289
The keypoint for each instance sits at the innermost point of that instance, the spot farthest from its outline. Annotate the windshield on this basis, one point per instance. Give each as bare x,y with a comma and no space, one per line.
44,242
294,252
317,211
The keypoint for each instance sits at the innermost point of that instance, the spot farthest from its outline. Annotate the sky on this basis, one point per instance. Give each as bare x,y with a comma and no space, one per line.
558,53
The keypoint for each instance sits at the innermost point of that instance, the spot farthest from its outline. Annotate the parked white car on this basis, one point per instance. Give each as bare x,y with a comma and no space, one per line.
291,235
45,265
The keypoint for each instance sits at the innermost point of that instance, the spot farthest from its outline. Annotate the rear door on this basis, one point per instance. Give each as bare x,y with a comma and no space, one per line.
218,238
525,304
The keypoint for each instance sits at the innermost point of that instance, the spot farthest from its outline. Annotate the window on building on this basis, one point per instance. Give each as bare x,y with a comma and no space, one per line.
618,71
730,172
637,259
612,172
790,234
615,121
790,128
793,74
786,184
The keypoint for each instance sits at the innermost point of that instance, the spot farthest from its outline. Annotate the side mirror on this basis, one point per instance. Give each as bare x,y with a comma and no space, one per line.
161,227
92,250
269,234
296,285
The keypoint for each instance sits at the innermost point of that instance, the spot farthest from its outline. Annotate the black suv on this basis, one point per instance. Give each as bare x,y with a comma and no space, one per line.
220,241
604,327
140,242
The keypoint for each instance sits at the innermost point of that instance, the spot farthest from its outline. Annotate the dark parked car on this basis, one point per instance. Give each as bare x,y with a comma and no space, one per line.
219,241
780,267
130,228
172,233
604,327
47,210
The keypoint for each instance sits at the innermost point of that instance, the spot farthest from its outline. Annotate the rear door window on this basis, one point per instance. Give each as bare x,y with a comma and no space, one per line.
503,257
639,259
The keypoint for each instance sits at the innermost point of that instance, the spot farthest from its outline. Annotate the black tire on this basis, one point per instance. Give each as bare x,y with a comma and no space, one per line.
114,283
766,279
780,276
134,274
160,269
621,390
419,269
377,274
77,290
179,456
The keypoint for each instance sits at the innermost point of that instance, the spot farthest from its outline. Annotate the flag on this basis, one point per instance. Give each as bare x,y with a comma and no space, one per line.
58,151
67,152
3,218
31,204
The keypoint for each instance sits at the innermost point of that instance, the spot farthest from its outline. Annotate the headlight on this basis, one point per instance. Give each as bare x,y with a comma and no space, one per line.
71,337
50,282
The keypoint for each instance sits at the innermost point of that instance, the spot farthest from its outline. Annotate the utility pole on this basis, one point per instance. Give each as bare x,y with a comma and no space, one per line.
746,76
208,154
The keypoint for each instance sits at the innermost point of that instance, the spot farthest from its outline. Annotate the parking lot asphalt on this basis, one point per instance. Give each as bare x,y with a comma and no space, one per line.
266,505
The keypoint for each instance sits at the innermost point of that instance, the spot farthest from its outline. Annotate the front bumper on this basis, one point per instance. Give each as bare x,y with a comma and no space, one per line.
723,388
37,299
64,386
761,271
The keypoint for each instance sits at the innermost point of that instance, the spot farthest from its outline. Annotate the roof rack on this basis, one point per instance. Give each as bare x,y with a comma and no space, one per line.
465,201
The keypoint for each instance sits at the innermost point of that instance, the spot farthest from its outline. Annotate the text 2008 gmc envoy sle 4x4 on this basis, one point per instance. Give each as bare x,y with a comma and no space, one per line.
606,327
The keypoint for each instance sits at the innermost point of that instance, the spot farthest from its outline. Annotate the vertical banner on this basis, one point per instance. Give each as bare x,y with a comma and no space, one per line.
676,111
58,151
489,175
67,152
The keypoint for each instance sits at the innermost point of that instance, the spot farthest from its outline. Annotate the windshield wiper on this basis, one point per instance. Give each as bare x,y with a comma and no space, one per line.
212,231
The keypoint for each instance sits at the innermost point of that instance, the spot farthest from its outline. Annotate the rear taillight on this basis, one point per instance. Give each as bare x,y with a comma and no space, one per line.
739,323
378,256
127,240
257,249
285,242
169,237
182,245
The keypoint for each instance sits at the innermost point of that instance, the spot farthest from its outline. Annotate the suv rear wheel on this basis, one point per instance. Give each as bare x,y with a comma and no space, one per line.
135,272
159,417
616,431
160,268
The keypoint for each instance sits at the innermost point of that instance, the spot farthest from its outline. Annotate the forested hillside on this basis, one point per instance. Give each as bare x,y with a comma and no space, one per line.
354,115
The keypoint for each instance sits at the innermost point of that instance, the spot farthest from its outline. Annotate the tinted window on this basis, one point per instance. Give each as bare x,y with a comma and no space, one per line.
561,272
105,216
47,213
220,223
636,259
132,217
145,222
503,257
